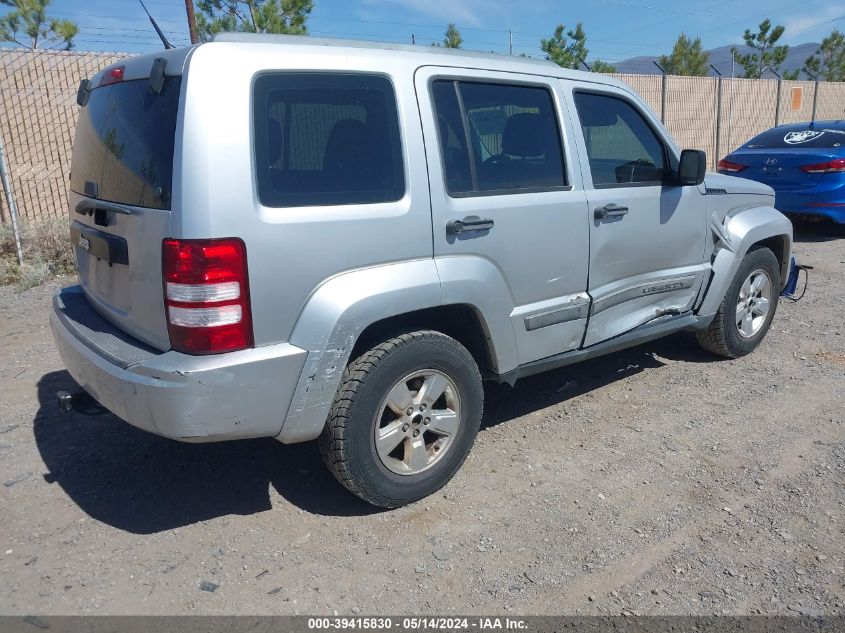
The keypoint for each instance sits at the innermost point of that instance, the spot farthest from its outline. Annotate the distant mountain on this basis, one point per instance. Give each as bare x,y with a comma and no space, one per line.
721,59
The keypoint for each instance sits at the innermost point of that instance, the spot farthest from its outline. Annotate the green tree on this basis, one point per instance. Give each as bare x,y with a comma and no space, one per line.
566,48
252,16
29,25
687,58
598,66
769,55
451,39
828,61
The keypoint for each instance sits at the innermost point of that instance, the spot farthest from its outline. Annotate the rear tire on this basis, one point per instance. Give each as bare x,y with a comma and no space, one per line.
404,418
748,308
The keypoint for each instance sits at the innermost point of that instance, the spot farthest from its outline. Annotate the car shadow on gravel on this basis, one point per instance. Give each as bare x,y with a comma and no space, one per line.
142,483
503,403
804,231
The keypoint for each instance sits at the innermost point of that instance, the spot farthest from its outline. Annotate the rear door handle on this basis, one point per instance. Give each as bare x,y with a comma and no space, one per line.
469,223
610,211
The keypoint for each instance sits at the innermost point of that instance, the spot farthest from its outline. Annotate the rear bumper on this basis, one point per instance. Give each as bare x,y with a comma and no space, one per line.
822,201
189,398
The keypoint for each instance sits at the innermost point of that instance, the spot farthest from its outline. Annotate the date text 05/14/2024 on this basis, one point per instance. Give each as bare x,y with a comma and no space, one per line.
417,623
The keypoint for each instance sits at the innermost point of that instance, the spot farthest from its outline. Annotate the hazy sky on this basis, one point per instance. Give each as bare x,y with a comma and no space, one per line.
616,29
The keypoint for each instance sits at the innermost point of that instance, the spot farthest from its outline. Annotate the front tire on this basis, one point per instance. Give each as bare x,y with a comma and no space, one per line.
748,308
404,418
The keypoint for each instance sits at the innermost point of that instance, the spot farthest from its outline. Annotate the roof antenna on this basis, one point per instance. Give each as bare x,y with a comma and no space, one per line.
158,30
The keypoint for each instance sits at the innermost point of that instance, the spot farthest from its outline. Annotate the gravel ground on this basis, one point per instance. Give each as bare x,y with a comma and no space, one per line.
659,480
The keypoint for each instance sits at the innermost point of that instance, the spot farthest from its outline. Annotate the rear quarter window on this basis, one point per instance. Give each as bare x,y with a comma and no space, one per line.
326,139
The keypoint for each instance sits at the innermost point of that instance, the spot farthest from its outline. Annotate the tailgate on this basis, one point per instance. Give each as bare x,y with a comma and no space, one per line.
120,201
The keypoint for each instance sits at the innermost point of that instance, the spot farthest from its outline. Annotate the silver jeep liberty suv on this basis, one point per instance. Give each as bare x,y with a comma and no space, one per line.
300,238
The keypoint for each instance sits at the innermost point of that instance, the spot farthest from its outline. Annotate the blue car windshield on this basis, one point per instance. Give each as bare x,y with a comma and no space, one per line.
819,136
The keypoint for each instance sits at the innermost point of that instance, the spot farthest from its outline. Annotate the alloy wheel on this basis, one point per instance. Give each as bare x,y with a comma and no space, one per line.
417,422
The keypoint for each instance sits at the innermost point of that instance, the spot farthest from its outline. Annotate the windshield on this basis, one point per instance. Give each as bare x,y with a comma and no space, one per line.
124,143
821,136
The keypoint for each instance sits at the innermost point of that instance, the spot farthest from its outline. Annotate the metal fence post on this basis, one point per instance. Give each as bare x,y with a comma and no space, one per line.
815,91
718,113
777,103
10,200
662,94
731,102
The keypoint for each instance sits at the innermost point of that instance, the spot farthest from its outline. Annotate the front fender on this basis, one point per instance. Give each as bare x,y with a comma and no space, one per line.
740,230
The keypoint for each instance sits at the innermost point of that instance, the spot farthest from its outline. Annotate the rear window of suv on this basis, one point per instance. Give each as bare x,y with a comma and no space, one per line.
326,139
124,143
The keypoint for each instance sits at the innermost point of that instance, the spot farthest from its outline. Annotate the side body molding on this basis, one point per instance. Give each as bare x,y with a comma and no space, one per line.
343,306
740,230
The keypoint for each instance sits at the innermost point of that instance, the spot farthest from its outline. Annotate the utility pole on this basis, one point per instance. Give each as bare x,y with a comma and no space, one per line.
510,42
192,21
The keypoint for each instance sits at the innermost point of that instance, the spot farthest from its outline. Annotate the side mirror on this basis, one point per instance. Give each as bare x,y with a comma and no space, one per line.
692,167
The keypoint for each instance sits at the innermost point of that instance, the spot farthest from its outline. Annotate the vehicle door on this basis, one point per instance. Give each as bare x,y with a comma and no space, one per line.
647,248
506,202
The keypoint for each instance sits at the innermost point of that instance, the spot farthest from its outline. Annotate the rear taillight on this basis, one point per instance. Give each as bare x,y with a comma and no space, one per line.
836,165
206,295
726,165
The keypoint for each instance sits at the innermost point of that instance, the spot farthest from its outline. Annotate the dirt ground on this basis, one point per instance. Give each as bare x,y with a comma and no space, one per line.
659,480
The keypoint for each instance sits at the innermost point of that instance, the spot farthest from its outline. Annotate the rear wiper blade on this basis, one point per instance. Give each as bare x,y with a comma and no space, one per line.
88,207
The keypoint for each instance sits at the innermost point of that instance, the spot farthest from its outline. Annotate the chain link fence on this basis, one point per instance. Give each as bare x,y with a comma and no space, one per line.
38,92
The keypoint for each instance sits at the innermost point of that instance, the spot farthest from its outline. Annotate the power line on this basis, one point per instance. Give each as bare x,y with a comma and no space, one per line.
636,48
812,26
659,9
122,18
662,43
124,29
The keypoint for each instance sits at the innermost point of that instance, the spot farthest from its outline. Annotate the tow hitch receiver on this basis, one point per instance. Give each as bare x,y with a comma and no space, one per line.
65,399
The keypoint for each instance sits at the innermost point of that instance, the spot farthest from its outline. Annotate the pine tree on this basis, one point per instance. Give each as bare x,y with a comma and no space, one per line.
28,25
568,53
252,16
451,39
828,62
770,55
687,58
598,66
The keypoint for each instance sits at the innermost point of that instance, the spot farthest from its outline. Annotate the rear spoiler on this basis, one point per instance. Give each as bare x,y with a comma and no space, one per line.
156,82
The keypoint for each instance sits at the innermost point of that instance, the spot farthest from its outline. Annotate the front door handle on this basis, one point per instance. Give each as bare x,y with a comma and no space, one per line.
610,211
469,223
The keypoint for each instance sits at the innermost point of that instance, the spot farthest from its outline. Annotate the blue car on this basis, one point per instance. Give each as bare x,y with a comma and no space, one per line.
803,162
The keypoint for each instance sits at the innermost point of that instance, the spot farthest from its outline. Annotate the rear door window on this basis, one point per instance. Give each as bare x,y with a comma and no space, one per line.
327,139
124,143
622,148
497,138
